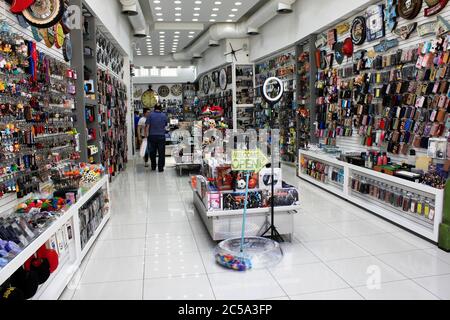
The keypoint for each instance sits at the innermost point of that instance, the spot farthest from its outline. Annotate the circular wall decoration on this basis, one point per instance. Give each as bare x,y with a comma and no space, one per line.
223,79
67,49
359,30
176,90
49,36
163,91
36,34
59,36
273,89
409,9
206,84
148,98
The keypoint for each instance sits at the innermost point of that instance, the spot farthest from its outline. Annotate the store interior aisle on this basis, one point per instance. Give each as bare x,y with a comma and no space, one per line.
156,247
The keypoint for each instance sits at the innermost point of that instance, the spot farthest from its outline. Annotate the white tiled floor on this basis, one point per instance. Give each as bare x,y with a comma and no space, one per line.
156,247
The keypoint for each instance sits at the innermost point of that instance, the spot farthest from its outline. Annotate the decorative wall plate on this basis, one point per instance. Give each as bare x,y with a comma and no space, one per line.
206,84
321,40
223,79
385,45
177,90
426,28
442,26
49,36
359,30
405,32
59,35
67,49
391,14
434,7
329,60
22,22
163,91
409,9
375,22
36,34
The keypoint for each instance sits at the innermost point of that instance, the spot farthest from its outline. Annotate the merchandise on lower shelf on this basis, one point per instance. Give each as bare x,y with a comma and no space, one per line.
91,216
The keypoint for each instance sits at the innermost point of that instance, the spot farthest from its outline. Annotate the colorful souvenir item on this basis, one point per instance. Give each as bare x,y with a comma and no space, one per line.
343,28
385,45
375,22
338,54
390,14
359,30
426,28
434,7
409,9
442,26
331,38
321,40
405,32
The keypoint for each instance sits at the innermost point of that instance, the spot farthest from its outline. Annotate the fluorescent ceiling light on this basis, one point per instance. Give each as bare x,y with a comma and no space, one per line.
195,20
177,20
234,9
237,3
197,8
215,9
212,20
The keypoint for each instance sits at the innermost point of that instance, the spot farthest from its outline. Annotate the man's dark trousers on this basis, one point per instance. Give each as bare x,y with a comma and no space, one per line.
157,144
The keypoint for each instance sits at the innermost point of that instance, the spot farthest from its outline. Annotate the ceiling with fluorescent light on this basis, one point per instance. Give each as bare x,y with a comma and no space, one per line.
166,38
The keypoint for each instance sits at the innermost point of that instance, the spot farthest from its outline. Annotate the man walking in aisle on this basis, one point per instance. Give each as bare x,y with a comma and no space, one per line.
155,131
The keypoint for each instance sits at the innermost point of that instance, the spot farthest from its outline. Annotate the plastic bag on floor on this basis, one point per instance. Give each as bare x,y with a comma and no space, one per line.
143,148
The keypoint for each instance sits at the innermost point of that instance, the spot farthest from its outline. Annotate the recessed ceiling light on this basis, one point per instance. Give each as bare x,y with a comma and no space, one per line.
195,20
190,36
196,14
159,14
156,1
177,2
160,19
177,8
162,32
218,2
214,15
198,2
162,36
196,8
176,36
229,20
212,20
177,20
158,8
177,14
234,9
215,9
237,3
191,32
177,32
231,15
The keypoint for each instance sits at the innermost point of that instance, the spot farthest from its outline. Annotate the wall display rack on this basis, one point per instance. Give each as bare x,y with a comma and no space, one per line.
282,66
414,206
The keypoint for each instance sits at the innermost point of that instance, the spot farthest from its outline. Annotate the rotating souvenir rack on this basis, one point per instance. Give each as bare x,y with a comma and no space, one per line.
285,118
219,196
36,114
415,206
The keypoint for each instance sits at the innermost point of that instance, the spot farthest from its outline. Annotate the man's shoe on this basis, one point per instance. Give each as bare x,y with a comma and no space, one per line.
161,170
146,165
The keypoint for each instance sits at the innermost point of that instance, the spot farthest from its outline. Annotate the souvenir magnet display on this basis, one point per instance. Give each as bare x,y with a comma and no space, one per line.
329,60
331,38
385,45
36,34
375,22
434,7
409,9
22,22
391,14
49,36
426,28
223,79
41,14
347,48
163,91
405,32
343,28
359,30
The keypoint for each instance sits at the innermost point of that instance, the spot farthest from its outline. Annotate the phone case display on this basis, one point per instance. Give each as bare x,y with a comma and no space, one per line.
303,97
113,101
189,94
244,84
403,201
91,215
395,192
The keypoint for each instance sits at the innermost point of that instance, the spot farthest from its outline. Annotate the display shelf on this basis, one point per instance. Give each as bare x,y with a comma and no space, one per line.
59,279
226,224
416,223
95,236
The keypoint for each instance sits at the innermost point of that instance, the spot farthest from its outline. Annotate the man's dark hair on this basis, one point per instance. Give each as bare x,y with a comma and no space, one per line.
146,110
158,107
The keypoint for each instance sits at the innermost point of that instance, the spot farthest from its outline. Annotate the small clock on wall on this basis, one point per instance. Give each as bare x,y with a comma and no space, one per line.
148,98
223,79
176,90
163,91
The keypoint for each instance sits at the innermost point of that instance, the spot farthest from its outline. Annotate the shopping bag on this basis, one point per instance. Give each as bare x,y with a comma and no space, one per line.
143,150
